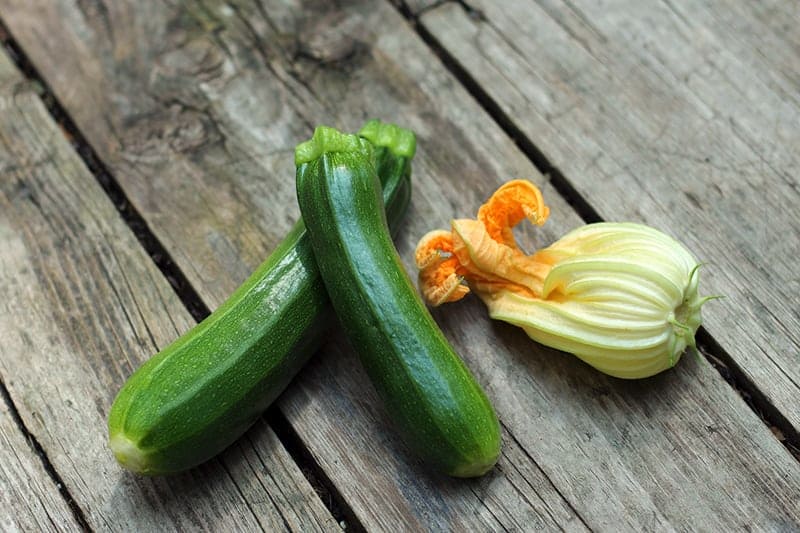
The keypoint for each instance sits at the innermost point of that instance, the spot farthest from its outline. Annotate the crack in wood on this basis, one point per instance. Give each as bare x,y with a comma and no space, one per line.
492,107
714,354
37,449
313,471
489,104
546,476
308,466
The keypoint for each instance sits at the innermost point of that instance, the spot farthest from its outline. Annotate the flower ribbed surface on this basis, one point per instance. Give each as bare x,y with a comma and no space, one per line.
620,296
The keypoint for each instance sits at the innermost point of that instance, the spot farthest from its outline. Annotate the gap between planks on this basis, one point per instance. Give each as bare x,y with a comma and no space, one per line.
310,468
516,157
37,449
710,349
713,353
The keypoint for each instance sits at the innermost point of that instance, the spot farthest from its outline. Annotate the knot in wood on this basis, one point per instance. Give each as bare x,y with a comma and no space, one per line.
334,38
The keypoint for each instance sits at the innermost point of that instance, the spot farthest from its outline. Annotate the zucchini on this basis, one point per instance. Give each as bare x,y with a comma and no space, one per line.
203,391
429,393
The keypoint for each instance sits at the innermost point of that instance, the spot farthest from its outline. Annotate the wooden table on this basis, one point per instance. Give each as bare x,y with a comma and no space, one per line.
146,169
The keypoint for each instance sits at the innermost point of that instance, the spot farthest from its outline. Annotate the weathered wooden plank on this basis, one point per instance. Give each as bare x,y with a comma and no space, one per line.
29,498
386,487
681,114
198,124
81,304
215,133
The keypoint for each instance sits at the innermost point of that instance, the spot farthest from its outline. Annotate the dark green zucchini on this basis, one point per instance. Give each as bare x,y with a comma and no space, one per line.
200,393
431,396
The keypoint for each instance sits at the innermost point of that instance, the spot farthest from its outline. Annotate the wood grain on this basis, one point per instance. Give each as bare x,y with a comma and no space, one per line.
197,122
215,133
681,114
29,498
81,305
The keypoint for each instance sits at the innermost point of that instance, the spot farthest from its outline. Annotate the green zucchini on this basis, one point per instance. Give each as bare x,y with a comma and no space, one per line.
429,393
200,393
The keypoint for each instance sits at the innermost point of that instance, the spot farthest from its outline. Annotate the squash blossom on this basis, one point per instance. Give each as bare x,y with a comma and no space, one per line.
620,296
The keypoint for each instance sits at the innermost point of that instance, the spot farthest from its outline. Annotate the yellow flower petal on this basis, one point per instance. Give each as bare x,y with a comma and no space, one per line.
620,296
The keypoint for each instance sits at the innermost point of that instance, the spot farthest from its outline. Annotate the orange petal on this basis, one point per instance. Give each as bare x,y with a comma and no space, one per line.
495,265
484,252
512,203
431,246
442,285
439,279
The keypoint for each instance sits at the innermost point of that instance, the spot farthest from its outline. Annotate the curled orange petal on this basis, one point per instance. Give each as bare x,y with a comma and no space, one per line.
512,203
483,253
439,277
490,265
431,247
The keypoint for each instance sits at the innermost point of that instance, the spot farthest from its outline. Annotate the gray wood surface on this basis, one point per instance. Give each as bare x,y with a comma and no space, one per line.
197,121
206,155
29,498
681,114
81,305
